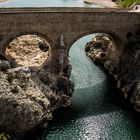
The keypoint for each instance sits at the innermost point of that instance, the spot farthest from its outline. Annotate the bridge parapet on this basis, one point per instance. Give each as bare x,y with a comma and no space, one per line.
61,10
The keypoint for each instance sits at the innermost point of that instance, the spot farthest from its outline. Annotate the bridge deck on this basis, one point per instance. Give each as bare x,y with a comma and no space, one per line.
60,9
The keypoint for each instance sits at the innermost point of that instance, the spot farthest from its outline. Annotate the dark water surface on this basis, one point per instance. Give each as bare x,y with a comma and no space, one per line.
98,111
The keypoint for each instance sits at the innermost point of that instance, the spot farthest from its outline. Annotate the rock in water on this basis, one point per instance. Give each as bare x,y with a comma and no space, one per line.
30,93
26,102
124,66
96,48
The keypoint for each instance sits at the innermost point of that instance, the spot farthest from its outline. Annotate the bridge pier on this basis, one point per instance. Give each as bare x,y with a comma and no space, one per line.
3,44
59,59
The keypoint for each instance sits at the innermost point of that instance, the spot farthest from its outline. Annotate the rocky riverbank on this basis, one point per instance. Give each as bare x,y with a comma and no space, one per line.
105,3
126,71
29,93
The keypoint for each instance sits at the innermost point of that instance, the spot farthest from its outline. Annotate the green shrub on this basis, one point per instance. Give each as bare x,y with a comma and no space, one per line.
10,77
4,136
127,3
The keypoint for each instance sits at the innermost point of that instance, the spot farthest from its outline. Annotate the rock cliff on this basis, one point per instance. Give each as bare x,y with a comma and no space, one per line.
125,67
29,94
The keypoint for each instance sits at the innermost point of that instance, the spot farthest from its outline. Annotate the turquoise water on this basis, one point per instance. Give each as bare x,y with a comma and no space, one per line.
45,3
98,110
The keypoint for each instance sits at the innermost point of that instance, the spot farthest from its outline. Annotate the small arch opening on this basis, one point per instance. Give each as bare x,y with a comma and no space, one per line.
1,37
129,35
28,50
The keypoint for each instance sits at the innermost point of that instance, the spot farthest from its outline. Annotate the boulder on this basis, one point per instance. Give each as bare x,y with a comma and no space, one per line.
28,96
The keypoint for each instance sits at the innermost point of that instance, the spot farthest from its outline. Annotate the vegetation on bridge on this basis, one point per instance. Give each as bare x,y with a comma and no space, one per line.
127,3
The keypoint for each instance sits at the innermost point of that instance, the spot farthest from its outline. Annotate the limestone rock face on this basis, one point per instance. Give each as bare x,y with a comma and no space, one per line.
123,65
28,96
29,92
99,46
28,50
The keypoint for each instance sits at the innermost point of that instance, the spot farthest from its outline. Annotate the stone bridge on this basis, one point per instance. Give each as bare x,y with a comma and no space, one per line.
68,25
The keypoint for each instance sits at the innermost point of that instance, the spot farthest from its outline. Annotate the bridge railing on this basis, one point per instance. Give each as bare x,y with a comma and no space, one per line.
60,9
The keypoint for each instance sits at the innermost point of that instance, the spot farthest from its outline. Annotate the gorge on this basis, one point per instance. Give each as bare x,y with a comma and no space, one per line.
98,110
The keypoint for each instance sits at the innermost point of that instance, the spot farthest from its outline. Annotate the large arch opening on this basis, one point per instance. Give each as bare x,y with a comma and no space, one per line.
99,47
115,39
28,50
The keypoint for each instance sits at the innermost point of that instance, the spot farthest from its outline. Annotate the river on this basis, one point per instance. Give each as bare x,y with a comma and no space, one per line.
98,110
45,3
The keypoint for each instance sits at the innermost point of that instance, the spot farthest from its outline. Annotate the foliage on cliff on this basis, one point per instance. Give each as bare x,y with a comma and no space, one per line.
4,136
127,3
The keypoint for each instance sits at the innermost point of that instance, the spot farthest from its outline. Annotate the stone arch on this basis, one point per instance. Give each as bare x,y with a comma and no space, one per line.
35,44
115,38
113,52
16,35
